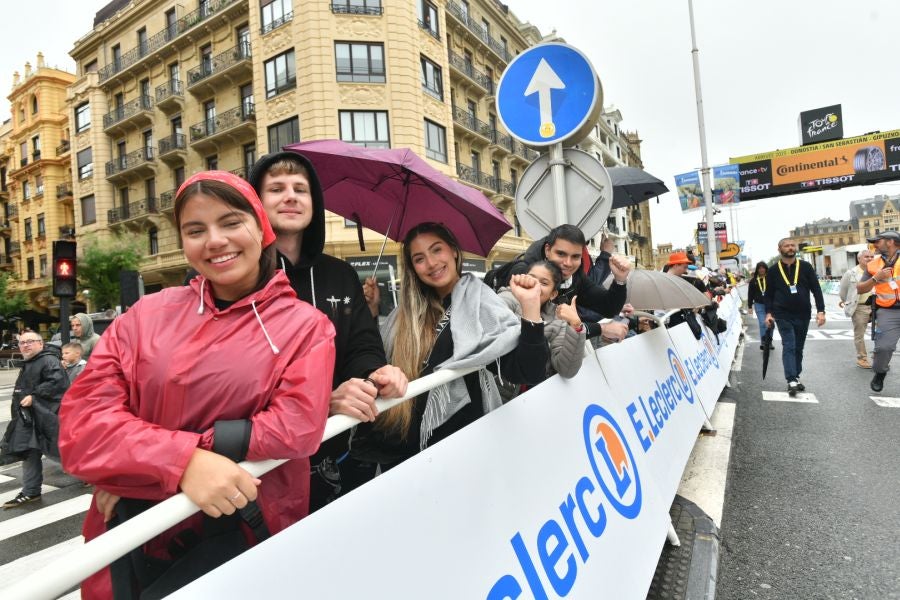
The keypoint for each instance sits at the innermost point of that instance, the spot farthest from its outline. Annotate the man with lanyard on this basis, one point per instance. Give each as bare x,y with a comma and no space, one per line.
788,285
881,275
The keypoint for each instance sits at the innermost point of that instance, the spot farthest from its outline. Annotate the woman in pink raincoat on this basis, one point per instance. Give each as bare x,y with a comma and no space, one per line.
236,345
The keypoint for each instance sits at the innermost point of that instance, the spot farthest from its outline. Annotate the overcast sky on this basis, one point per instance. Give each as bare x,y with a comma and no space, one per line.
761,64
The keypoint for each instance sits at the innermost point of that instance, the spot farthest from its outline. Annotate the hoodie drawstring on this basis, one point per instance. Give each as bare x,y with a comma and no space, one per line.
274,348
200,308
312,286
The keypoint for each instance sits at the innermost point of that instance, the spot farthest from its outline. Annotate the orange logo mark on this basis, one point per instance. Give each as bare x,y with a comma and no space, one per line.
613,446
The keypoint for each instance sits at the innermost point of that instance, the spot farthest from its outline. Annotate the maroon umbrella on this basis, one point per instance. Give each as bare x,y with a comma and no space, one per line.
392,190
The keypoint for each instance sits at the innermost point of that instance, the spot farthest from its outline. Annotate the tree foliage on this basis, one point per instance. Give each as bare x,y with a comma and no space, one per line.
98,269
10,302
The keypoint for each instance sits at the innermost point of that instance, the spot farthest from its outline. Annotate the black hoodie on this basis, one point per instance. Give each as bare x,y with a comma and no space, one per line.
332,286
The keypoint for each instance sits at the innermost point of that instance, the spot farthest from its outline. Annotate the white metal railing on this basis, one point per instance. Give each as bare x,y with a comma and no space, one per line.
68,571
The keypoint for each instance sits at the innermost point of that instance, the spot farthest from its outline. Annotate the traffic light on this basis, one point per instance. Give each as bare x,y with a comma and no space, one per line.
64,269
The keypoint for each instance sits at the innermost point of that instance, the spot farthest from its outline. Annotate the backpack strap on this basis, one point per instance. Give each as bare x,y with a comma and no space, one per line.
232,440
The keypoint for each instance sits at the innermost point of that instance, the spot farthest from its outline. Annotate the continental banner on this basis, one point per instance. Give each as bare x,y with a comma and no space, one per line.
861,160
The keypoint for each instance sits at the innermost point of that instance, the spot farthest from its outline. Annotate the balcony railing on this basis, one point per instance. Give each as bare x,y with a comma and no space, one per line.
67,231
158,40
135,209
502,140
36,156
168,90
276,23
129,161
127,110
472,25
15,248
63,147
23,161
527,154
222,122
485,180
167,200
469,70
218,64
12,211
63,190
176,141
470,122
427,27
343,8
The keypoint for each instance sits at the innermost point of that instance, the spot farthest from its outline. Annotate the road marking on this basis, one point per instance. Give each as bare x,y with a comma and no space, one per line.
886,402
5,478
819,335
44,516
703,482
785,397
20,568
12,494
739,358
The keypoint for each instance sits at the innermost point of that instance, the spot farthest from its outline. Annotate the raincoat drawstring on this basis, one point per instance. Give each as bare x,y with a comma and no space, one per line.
274,348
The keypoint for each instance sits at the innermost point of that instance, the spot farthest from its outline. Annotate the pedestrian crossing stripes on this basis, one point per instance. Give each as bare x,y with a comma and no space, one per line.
44,516
885,401
785,397
12,571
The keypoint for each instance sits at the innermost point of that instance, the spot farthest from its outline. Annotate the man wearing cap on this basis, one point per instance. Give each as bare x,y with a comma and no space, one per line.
881,277
678,265
788,285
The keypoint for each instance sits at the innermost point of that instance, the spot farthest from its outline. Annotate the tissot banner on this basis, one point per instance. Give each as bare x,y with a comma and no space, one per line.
860,160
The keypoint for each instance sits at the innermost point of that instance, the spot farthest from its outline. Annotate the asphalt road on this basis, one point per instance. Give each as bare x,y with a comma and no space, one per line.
812,501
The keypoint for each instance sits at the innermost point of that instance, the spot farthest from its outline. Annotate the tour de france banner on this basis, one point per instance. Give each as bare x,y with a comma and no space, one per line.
690,192
726,184
551,495
860,160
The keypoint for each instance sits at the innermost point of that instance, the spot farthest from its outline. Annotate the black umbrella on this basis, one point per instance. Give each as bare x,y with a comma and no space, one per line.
632,186
767,347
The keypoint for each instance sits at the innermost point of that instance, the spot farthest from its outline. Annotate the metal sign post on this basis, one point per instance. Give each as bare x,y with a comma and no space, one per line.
558,172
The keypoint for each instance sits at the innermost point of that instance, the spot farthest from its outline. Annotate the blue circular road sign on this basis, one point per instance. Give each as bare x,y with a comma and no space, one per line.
547,94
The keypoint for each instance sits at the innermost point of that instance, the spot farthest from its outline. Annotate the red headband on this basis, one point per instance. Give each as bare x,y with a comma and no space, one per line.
245,189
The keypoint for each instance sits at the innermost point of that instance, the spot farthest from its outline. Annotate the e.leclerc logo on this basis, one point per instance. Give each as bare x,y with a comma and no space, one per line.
615,473
660,402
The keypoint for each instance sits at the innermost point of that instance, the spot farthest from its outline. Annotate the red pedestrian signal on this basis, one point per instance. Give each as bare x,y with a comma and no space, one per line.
64,269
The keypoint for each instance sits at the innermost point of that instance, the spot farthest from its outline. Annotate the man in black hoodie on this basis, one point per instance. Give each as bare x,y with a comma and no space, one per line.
290,192
564,246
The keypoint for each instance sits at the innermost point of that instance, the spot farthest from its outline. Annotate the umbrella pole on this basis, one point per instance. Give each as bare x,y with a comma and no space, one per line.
384,242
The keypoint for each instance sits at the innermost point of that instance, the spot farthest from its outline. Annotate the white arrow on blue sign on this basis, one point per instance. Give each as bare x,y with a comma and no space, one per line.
547,94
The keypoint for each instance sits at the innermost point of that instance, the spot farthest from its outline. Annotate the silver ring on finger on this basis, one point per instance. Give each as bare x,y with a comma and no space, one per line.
235,497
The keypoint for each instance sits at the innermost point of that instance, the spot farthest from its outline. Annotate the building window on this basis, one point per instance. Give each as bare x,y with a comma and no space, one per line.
171,24
117,57
26,191
178,176
284,133
247,105
88,210
432,82
30,266
34,105
41,226
36,147
275,13
23,154
90,67
281,74
435,141
359,62
39,185
28,233
153,235
142,41
82,117
365,128
249,157
212,162
430,18
43,265
356,7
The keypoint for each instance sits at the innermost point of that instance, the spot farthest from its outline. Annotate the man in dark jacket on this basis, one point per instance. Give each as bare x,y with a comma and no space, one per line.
564,246
290,191
34,427
788,285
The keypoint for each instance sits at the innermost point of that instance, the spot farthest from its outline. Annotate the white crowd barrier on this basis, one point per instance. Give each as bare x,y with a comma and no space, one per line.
564,491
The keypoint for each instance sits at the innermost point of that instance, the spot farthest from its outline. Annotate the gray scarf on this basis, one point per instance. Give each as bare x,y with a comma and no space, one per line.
483,330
